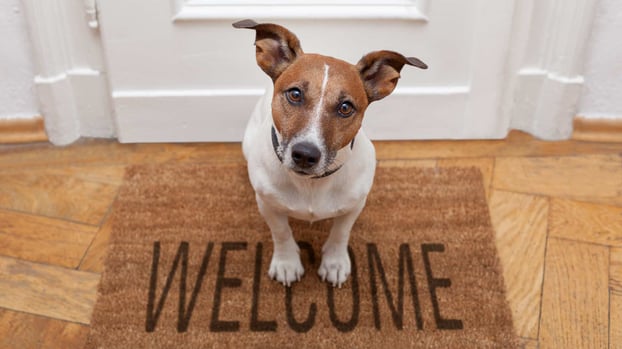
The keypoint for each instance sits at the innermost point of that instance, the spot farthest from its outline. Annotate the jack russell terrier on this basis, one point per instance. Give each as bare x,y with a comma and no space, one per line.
308,157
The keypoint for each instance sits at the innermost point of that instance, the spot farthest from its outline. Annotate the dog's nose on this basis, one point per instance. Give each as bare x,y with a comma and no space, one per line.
305,155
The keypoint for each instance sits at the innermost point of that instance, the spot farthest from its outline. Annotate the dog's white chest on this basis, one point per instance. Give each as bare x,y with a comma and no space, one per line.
313,201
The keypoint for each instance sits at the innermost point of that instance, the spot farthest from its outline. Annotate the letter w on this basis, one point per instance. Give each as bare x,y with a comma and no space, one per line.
184,313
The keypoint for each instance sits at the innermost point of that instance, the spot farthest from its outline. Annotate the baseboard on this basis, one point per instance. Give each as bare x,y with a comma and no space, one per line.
597,130
22,131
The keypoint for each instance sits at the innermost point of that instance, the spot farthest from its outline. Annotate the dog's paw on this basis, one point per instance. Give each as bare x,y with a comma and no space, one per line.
335,267
286,268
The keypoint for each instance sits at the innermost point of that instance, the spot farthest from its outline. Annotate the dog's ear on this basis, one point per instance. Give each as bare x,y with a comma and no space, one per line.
380,71
275,46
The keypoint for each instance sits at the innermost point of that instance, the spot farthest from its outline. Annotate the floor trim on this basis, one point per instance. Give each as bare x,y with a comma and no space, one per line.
29,130
597,130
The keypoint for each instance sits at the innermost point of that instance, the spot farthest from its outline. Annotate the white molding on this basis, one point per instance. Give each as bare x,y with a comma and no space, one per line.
73,106
90,8
160,115
72,91
432,90
339,9
60,114
222,92
545,103
65,75
295,2
545,66
257,92
552,76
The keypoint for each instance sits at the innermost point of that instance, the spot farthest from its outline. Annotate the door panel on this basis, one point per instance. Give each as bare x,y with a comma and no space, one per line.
179,72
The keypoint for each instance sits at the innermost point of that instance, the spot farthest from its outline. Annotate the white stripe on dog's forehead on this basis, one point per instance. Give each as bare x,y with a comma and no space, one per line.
313,133
318,108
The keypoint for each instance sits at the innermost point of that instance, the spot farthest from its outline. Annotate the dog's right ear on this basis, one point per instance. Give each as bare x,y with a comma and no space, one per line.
275,46
380,71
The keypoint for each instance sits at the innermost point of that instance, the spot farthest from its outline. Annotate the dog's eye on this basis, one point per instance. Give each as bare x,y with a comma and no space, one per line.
294,95
346,109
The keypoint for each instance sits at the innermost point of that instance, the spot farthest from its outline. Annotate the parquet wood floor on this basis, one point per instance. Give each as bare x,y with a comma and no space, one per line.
556,208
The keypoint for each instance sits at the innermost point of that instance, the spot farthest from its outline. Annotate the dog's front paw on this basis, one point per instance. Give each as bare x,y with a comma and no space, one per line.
286,268
335,267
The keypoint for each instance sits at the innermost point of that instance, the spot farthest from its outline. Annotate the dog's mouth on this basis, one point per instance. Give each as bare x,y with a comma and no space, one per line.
305,159
305,172
328,166
302,172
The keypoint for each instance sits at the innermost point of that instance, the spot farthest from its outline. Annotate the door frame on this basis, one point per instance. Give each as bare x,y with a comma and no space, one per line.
545,66
70,81
543,72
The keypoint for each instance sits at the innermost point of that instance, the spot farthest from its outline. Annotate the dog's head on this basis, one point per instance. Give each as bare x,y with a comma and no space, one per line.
319,101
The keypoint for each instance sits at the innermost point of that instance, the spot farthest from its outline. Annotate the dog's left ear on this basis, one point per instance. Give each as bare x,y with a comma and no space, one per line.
380,71
275,46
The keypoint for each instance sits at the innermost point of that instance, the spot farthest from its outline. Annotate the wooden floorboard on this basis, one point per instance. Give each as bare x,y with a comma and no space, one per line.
591,178
68,196
520,222
586,222
615,270
46,290
106,152
517,144
575,299
529,343
556,208
27,331
19,330
93,260
43,239
615,320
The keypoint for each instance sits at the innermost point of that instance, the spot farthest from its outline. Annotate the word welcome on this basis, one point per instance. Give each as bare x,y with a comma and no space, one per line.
377,279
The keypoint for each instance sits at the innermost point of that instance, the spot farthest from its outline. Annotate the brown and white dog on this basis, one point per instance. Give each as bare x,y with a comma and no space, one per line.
308,157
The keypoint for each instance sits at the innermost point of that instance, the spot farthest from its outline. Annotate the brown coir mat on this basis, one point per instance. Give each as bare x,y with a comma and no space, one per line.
189,254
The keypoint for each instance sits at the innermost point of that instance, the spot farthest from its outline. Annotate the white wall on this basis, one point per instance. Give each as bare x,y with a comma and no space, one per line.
602,93
601,98
17,92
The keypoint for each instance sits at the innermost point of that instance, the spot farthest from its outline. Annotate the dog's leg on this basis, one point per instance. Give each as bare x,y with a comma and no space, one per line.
285,266
335,267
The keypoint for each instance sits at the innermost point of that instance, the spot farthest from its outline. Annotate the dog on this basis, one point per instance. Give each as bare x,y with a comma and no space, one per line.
307,156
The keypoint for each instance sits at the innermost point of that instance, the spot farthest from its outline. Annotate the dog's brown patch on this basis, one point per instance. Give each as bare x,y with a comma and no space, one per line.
343,84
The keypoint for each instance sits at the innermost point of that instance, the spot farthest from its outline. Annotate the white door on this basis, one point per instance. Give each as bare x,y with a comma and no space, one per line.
178,71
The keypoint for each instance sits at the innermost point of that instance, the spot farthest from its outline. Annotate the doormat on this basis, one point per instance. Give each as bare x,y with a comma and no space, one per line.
189,256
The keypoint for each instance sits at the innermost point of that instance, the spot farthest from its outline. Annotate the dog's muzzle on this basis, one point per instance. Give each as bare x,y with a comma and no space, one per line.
306,156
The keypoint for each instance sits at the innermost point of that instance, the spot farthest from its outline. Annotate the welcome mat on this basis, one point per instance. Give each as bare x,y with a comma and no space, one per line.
189,254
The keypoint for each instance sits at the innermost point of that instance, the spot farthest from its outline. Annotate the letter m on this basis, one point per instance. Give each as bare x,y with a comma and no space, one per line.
405,265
